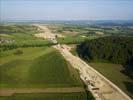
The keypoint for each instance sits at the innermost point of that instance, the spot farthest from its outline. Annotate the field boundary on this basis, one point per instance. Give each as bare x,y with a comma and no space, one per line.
11,91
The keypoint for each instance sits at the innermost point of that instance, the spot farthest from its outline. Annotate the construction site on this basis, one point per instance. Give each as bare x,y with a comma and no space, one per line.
100,87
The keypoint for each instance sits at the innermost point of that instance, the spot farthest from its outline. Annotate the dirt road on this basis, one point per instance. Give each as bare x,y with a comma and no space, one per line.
11,91
101,87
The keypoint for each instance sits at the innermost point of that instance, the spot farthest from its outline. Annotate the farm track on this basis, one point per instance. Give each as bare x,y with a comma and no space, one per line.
11,91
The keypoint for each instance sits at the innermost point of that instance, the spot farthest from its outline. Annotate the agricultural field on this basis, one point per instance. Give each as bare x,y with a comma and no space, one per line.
13,36
74,34
89,30
27,68
17,33
23,35
55,96
30,62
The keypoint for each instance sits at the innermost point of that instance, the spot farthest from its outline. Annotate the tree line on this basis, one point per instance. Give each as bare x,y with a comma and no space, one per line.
5,47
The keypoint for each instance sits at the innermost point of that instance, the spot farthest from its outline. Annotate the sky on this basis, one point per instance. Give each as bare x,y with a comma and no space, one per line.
66,10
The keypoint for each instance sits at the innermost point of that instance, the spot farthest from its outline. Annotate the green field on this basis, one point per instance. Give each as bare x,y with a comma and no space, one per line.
114,73
55,96
14,36
36,67
75,39
73,33
30,62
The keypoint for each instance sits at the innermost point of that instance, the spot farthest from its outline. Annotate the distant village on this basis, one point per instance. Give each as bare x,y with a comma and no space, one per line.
5,40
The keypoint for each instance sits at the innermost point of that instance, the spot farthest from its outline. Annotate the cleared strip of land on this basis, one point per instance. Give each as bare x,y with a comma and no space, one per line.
101,87
11,91
46,34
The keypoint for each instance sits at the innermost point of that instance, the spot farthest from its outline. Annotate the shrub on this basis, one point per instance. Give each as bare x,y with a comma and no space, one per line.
18,52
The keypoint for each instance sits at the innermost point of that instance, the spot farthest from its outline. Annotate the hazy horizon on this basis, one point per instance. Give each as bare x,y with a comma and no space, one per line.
15,10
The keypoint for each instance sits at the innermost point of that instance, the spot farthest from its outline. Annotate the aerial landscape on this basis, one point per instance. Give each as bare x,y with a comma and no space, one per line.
66,50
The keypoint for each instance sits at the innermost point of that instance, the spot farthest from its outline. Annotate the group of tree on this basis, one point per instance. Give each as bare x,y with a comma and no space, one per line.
115,49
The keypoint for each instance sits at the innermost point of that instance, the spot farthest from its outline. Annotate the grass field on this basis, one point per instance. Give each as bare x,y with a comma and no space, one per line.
75,39
114,74
14,36
36,67
55,96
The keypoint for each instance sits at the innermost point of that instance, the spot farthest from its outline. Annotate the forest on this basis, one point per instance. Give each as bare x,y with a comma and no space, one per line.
114,49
